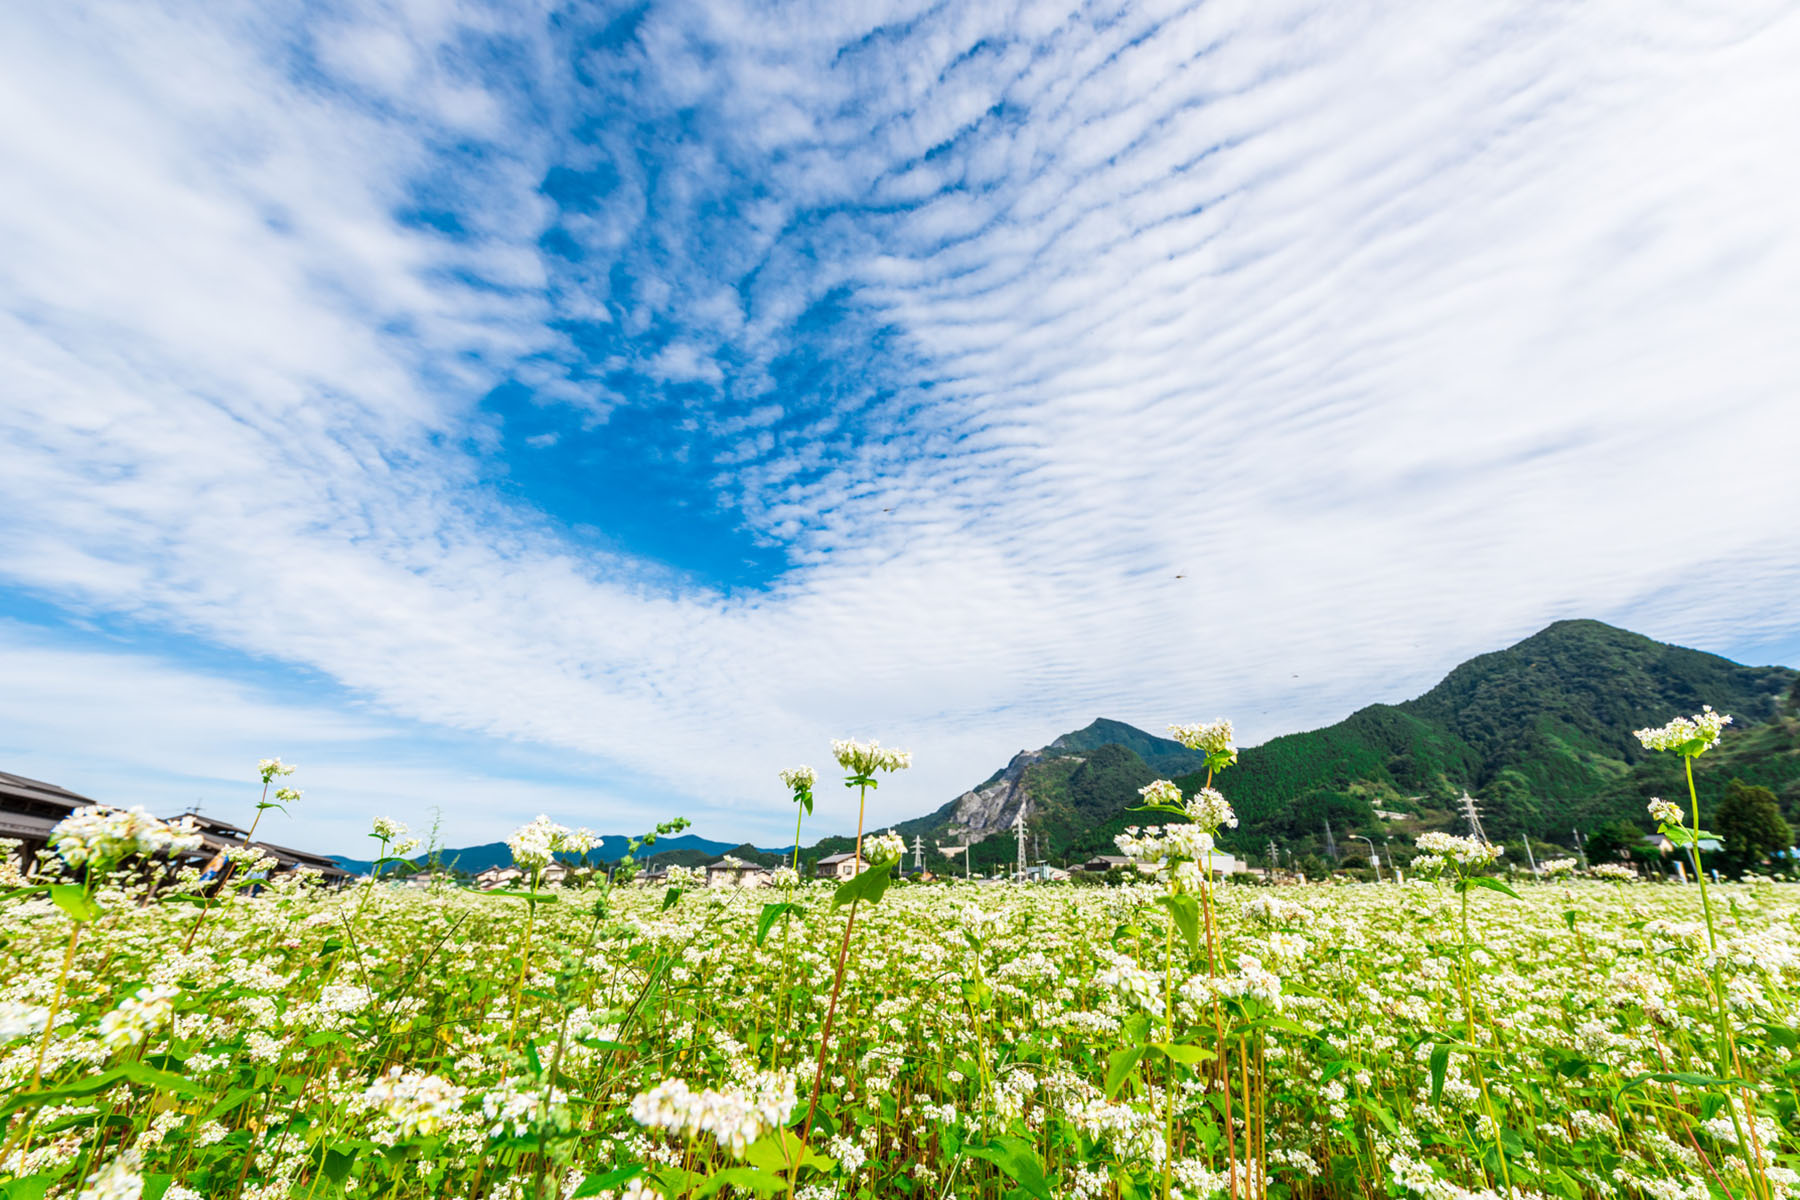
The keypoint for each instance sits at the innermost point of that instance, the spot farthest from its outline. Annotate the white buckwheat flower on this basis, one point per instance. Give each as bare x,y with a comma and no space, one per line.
117,1180
99,837
414,1101
1688,736
1161,791
867,758
534,845
1665,812
389,830
1213,738
269,768
799,779
21,1020
1208,809
884,847
136,1016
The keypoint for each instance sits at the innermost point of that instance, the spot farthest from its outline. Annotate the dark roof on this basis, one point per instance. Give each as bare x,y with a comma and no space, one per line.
836,858
26,825
18,787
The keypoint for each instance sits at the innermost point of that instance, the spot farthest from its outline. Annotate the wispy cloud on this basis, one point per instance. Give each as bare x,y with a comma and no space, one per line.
1133,365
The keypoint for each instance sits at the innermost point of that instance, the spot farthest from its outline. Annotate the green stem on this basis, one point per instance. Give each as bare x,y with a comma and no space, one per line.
1728,1064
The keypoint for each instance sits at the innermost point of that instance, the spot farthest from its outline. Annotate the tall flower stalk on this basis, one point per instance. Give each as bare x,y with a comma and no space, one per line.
270,769
1690,737
862,761
1184,850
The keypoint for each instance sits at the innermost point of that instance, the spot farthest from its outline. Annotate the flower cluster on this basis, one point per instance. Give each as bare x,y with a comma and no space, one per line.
1167,843
1208,809
579,841
1557,866
136,1016
1618,872
884,847
414,1101
1665,812
269,768
1163,792
396,839
21,1020
534,845
1443,848
866,758
734,1117
516,1106
100,837
117,1180
1211,739
799,779
1688,736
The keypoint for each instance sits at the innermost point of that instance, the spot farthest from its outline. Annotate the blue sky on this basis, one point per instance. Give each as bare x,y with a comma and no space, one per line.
514,408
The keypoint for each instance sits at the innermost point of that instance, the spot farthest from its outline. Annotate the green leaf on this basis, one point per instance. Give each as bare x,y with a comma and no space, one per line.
670,897
1120,1064
1184,910
1184,1054
593,1185
1016,1157
1691,1078
31,1187
534,897
772,913
760,1182
1440,1063
337,1164
156,1185
93,1085
1488,882
73,899
868,887
782,1150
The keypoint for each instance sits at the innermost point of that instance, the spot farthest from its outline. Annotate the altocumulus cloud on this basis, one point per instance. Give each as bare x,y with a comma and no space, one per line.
1395,332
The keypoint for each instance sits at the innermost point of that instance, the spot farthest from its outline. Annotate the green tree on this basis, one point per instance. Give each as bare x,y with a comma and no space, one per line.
1750,822
1613,842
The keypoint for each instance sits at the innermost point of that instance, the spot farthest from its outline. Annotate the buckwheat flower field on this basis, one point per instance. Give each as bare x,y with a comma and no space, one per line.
1188,1037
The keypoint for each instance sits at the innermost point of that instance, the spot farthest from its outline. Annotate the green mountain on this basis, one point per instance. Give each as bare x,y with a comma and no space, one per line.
1540,733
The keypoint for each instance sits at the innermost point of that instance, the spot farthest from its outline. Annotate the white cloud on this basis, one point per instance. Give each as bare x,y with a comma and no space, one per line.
1396,337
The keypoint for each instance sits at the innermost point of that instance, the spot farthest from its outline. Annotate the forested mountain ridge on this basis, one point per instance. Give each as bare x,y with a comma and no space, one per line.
1540,733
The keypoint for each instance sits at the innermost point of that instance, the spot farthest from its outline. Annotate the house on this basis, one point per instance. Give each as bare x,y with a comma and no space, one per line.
732,871
218,837
1656,843
1100,864
30,809
835,866
495,877
1223,863
1045,873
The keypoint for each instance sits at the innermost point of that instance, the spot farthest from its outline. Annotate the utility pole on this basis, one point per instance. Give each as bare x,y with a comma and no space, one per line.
918,854
1530,858
1019,833
1473,816
1330,842
1274,858
1580,848
1374,858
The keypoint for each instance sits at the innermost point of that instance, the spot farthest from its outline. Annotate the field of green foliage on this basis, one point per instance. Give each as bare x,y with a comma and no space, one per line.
1450,1037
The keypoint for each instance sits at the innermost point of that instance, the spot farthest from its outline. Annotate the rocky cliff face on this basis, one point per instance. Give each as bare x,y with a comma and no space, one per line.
993,807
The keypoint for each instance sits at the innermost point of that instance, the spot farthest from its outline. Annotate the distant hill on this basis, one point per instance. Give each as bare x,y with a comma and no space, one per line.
1540,733
475,859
